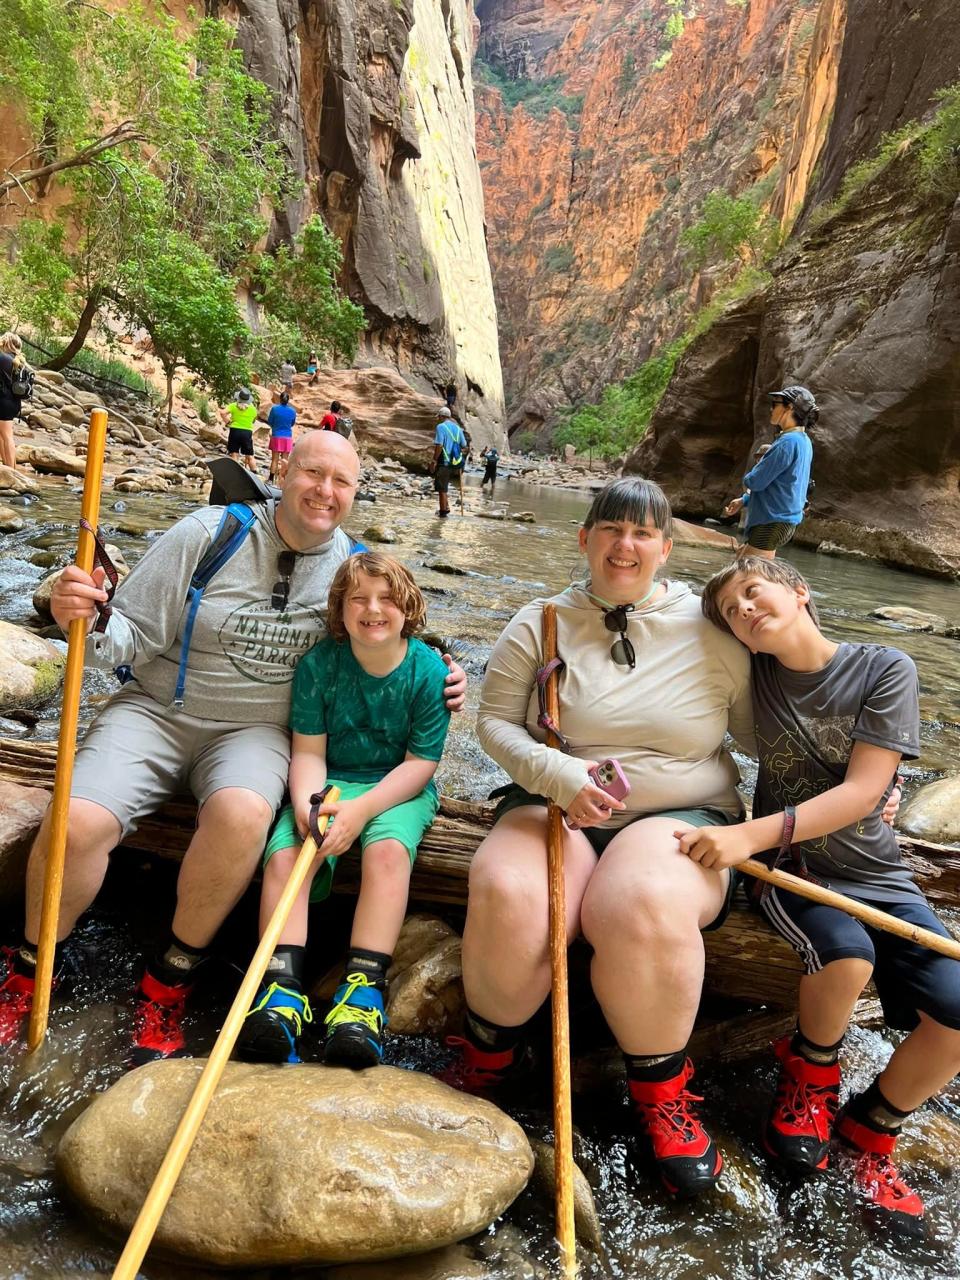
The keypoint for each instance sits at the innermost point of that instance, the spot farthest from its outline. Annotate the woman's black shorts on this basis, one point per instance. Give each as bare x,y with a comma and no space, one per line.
240,441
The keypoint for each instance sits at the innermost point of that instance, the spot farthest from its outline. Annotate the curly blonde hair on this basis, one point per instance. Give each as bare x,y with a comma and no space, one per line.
404,592
12,345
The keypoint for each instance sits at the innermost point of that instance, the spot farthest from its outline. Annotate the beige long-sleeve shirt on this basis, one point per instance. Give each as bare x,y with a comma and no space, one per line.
664,721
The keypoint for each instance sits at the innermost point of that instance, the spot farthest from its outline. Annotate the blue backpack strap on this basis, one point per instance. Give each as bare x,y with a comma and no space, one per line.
355,546
237,521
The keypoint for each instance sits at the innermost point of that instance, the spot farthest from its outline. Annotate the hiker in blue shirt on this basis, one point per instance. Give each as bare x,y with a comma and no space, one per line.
777,485
449,456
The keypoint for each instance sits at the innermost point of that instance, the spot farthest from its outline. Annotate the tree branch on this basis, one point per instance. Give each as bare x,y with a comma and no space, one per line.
117,137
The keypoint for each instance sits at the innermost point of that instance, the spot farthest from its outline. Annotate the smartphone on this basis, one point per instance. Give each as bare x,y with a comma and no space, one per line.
609,777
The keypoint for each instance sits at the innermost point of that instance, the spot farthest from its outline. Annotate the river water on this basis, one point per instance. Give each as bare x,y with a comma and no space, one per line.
758,1225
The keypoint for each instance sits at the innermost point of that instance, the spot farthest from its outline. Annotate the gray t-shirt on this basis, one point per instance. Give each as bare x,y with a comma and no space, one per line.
807,723
243,650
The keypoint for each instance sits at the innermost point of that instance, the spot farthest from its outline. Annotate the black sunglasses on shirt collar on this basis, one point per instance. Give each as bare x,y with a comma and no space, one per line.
281,590
622,650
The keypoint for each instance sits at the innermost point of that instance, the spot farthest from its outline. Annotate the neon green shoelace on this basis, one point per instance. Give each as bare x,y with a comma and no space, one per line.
298,1015
344,1011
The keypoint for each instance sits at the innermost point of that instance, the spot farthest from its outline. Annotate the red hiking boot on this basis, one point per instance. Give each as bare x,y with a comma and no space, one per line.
478,1071
687,1158
801,1119
886,1195
158,1030
16,999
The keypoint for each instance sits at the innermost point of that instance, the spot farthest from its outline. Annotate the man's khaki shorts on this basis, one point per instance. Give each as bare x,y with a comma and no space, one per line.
137,754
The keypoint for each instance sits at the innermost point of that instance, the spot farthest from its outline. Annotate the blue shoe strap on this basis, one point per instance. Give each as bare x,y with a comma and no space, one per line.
361,998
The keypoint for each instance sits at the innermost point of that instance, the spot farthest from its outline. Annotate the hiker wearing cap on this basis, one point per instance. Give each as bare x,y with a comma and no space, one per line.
216,724
240,416
449,456
776,487
280,420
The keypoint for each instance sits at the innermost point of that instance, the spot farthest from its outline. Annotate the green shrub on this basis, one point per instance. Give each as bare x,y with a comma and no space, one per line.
539,97
940,144
628,74
203,410
559,257
727,228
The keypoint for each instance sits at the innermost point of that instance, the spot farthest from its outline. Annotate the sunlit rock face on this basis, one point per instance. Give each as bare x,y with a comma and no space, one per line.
378,118
590,182
863,310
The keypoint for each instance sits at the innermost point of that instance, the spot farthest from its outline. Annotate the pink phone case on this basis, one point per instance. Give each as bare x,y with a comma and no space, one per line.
609,777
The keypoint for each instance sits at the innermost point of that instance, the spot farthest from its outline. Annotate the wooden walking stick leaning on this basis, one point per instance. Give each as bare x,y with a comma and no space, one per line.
73,679
562,1110
166,1179
859,910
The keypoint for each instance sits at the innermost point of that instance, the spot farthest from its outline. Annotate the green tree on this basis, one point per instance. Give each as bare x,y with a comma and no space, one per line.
305,308
729,228
161,212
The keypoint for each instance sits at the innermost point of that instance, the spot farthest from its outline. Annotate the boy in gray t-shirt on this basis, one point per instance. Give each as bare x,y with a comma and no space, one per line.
833,722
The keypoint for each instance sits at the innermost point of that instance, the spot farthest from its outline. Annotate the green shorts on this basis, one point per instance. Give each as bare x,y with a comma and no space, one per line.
405,822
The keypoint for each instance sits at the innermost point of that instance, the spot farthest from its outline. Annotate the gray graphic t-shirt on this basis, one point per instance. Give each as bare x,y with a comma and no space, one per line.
807,723
244,647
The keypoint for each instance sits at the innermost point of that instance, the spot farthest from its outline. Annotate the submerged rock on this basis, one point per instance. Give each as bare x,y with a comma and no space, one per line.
934,812
21,809
915,619
345,1166
10,522
452,1263
585,1216
30,668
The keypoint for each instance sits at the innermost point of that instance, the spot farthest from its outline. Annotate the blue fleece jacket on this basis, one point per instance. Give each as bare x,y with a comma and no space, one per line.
778,483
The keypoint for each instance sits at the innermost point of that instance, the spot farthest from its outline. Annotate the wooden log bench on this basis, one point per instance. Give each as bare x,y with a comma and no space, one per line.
746,960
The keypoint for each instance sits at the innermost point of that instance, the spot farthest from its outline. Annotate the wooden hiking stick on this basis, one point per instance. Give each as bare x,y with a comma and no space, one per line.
150,1214
859,910
67,747
460,486
562,1108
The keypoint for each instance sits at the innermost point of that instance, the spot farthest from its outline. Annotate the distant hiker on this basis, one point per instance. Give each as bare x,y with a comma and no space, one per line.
13,379
450,396
312,367
280,420
491,457
288,372
833,722
776,488
216,723
760,451
240,415
331,419
368,716
449,458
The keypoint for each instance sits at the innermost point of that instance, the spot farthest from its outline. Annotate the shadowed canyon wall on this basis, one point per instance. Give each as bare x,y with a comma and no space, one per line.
598,139
863,307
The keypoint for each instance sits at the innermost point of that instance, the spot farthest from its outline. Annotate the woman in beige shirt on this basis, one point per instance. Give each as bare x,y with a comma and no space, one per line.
647,681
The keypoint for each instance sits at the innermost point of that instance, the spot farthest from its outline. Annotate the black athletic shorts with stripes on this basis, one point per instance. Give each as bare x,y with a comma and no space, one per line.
910,979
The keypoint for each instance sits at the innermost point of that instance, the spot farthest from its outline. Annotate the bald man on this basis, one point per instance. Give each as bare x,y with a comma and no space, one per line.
228,742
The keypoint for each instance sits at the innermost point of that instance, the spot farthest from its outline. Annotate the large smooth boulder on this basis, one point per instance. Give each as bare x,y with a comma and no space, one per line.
10,522
309,1164
51,461
30,668
21,809
426,982
934,812
696,535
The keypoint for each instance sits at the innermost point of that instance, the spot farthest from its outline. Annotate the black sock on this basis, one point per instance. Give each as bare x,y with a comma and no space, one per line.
286,966
24,959
372,964
818,1055
177,963
655,1066
490,1037
873,1110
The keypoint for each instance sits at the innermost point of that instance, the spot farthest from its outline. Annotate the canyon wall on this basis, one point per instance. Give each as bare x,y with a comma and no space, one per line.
616,133
863,308
377,117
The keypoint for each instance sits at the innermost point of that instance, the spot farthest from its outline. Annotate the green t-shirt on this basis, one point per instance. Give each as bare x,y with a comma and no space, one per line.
242,416
371,722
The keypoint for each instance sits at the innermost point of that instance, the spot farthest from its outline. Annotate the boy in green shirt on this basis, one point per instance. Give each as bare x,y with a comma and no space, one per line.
367,715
